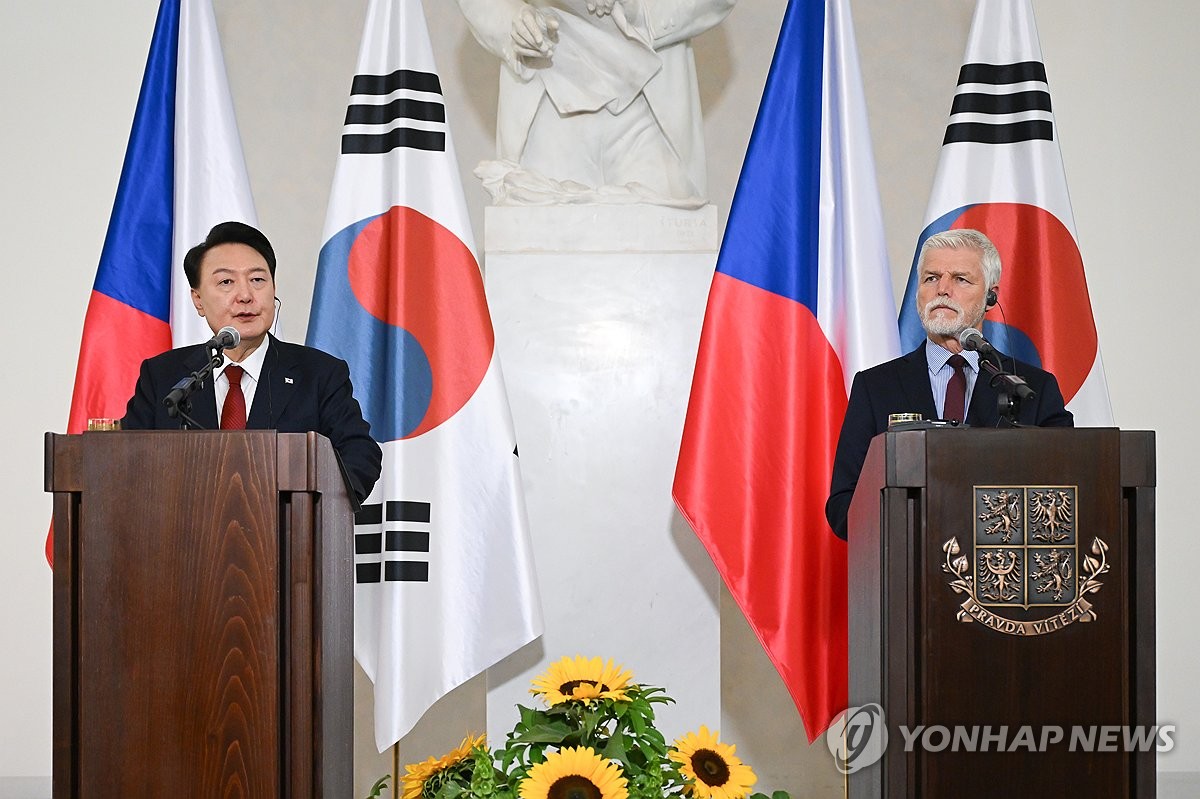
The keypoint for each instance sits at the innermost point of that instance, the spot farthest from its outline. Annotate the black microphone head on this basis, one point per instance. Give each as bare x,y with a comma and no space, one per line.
228,337
971,339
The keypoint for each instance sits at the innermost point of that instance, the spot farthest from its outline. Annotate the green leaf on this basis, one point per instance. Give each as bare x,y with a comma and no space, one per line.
656,742
546,732
449,790
377,788
615,749
639,724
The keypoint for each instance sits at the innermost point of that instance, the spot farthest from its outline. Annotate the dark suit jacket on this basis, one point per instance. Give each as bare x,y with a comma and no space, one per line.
902,386
300,389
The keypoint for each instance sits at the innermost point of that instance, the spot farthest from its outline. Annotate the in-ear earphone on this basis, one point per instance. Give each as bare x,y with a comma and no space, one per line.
991,298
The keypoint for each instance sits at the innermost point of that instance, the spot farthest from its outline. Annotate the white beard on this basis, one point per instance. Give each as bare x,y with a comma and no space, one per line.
946,327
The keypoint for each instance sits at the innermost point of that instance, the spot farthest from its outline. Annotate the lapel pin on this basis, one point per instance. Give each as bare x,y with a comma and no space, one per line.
288,380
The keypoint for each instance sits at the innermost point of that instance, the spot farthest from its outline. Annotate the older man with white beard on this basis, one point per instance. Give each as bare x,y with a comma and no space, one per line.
959,274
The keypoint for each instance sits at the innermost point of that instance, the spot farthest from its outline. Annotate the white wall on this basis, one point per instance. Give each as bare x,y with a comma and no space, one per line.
70,81
1120,75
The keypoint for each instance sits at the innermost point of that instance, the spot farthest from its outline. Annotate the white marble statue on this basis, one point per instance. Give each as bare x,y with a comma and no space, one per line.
598,99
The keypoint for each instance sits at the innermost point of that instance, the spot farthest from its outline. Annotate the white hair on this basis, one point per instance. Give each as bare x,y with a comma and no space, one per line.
966,239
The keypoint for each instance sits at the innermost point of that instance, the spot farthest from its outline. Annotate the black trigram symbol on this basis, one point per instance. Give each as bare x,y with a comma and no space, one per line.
403,109
392,531
1001,104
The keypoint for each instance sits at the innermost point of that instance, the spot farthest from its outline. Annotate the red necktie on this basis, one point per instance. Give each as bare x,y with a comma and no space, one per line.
233,412
956,390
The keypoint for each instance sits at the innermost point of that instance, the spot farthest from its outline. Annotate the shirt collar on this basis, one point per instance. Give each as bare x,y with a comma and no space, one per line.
253,363
936,356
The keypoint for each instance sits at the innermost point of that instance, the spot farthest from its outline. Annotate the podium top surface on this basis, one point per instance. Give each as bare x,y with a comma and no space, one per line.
300,461
906,452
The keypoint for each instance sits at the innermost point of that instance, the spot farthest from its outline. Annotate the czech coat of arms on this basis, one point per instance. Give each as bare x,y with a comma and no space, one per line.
1025,557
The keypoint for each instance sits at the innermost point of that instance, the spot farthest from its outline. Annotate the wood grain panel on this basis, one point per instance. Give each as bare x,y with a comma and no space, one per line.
197,565
971,675
203,615
911,653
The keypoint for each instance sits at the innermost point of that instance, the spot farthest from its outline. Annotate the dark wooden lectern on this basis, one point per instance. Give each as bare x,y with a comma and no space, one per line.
1005,579
203,615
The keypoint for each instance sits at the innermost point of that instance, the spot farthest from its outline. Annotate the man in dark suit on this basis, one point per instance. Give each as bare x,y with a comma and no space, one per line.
959,274
263,383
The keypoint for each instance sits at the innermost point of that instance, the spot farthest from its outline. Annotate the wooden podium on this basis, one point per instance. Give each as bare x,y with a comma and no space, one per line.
1002,588
203,615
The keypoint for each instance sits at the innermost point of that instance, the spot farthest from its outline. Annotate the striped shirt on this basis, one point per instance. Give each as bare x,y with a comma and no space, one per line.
940,372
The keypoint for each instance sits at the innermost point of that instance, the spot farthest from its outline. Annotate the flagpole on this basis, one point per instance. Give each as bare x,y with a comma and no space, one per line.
396,770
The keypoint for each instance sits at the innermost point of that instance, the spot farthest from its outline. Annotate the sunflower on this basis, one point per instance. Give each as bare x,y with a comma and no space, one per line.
711,768
574,773
581,679
418,774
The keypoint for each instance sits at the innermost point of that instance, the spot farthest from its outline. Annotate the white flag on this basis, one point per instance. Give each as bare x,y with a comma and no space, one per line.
444,578
210,173
1001,172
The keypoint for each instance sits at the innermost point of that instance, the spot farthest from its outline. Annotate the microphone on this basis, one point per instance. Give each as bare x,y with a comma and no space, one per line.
1012,387
226,339
973,341
177,401
178,394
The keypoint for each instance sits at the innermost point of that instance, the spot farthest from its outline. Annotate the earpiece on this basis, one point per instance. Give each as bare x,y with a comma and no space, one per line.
991,298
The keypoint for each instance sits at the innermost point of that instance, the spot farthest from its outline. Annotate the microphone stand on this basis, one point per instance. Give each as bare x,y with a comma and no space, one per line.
1012,388
178,401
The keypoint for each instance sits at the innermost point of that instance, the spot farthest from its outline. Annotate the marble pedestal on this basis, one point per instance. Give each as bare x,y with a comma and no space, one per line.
597,312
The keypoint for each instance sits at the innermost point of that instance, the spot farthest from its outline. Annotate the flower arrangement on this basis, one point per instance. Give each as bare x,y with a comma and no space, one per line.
595,739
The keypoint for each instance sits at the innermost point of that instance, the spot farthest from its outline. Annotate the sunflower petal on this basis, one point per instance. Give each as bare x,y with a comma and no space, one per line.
575,772
711,768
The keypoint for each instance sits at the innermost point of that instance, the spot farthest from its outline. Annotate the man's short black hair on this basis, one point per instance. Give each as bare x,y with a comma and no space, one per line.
227,233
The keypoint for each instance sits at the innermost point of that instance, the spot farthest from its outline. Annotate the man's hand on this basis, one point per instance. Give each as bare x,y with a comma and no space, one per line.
601,8
534,32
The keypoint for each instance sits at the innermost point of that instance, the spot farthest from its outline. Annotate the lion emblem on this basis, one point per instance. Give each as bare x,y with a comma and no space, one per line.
1054,572
1003,512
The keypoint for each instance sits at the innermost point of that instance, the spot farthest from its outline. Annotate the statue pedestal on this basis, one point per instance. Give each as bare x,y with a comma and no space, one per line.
597,312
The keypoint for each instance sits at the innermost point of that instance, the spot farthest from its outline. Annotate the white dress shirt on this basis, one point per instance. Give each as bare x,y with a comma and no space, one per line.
252,369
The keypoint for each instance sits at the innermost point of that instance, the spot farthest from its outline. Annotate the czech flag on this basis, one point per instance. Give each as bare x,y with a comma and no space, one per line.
1001,172
183,173
800,302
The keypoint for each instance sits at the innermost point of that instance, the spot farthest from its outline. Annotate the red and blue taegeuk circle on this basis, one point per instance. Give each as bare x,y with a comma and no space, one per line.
400,298
1045,316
